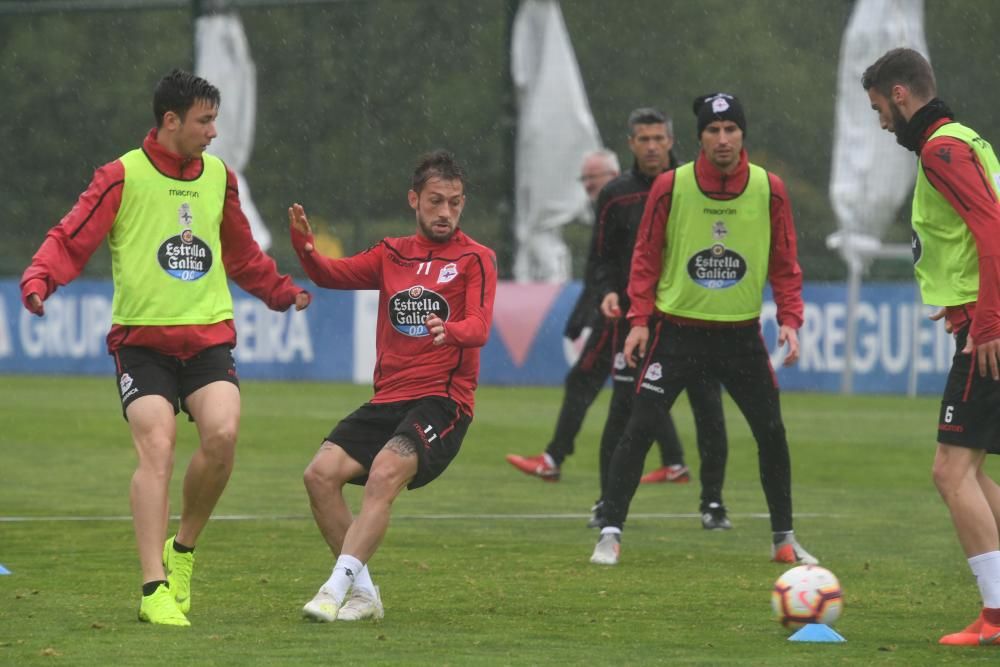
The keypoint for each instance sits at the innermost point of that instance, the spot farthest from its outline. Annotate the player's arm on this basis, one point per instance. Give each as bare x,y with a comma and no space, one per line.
647,257
361,271
601,259
953,170
69,245
473,330
589,297
249,266
783,270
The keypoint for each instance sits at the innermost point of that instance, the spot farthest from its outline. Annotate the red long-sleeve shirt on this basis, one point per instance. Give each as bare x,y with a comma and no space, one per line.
783,271
69,245
416,277
952,168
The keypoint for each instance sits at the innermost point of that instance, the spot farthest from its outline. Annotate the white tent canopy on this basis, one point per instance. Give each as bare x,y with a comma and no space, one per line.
222,56
555,129
871,175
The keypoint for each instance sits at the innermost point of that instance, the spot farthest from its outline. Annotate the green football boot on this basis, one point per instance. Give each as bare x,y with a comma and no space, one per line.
178,568
161,609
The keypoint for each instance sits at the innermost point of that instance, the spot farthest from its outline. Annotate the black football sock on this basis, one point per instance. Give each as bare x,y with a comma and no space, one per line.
181,548
150,587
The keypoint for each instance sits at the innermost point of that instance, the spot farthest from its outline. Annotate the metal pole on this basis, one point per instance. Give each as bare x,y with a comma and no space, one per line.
911,385
853,296
508,244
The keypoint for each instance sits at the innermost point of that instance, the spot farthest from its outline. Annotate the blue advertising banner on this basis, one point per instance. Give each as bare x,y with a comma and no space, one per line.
897,347
896,343
315,344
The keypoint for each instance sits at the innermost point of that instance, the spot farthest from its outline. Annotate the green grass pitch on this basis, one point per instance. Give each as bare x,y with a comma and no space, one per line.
485,566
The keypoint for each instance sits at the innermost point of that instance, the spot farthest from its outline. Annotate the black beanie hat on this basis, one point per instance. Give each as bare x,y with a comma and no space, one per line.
718,106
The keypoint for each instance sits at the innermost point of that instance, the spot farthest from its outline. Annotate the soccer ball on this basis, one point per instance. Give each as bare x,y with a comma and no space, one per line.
806,594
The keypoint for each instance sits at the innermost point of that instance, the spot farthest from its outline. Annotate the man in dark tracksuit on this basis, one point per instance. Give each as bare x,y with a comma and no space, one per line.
712,233
588,375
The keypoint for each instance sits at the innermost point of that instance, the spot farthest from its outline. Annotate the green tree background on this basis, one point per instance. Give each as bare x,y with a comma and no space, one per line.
350,93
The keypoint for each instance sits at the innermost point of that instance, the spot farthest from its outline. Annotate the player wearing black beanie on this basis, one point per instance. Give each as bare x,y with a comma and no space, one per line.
718,106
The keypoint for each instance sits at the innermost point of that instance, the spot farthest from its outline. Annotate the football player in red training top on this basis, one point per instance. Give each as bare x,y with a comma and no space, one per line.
172,218
956,261
436,290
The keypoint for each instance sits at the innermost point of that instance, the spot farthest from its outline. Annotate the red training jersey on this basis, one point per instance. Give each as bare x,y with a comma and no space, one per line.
416,277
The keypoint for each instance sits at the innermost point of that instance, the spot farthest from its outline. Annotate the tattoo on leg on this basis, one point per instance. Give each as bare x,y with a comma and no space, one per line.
402,445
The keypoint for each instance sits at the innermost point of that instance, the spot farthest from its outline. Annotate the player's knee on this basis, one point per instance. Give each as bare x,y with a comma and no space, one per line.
380,478
771,435
220,442
641,425
386,478
945,476
317,478
156,453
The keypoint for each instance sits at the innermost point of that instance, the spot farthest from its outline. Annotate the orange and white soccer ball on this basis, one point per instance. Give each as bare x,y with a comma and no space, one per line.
807,594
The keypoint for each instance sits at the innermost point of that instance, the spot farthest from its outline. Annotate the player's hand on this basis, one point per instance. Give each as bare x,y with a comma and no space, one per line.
435,326
302,300
610,307
299,222
987,356
636,341
939,314
789,335
35,304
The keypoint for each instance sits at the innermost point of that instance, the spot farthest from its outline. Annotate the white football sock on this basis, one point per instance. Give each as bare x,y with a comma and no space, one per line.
363,581
342,578
781,536
986,567
610,530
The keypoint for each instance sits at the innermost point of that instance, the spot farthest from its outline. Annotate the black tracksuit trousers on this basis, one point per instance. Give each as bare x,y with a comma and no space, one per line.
678,356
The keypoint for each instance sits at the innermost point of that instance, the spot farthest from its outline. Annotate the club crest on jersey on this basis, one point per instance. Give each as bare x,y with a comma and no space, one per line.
125,382
184,216
654,372
409,308
185,256
448,273
717,267
719,230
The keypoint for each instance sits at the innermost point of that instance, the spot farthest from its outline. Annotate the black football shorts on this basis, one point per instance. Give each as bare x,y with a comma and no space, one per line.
970,406
143,372
435,424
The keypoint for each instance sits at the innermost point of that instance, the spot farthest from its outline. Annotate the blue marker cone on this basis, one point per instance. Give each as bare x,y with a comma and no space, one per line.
816,632
4,570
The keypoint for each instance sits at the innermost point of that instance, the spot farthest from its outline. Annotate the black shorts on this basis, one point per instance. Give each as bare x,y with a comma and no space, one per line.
435,423
145,372
970,406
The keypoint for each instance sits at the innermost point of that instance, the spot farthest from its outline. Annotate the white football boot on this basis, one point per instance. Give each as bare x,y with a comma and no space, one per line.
608,549
323,607
361,605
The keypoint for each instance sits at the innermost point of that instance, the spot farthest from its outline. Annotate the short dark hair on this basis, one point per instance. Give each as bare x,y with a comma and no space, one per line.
901,66
178,91
649,116
438,163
